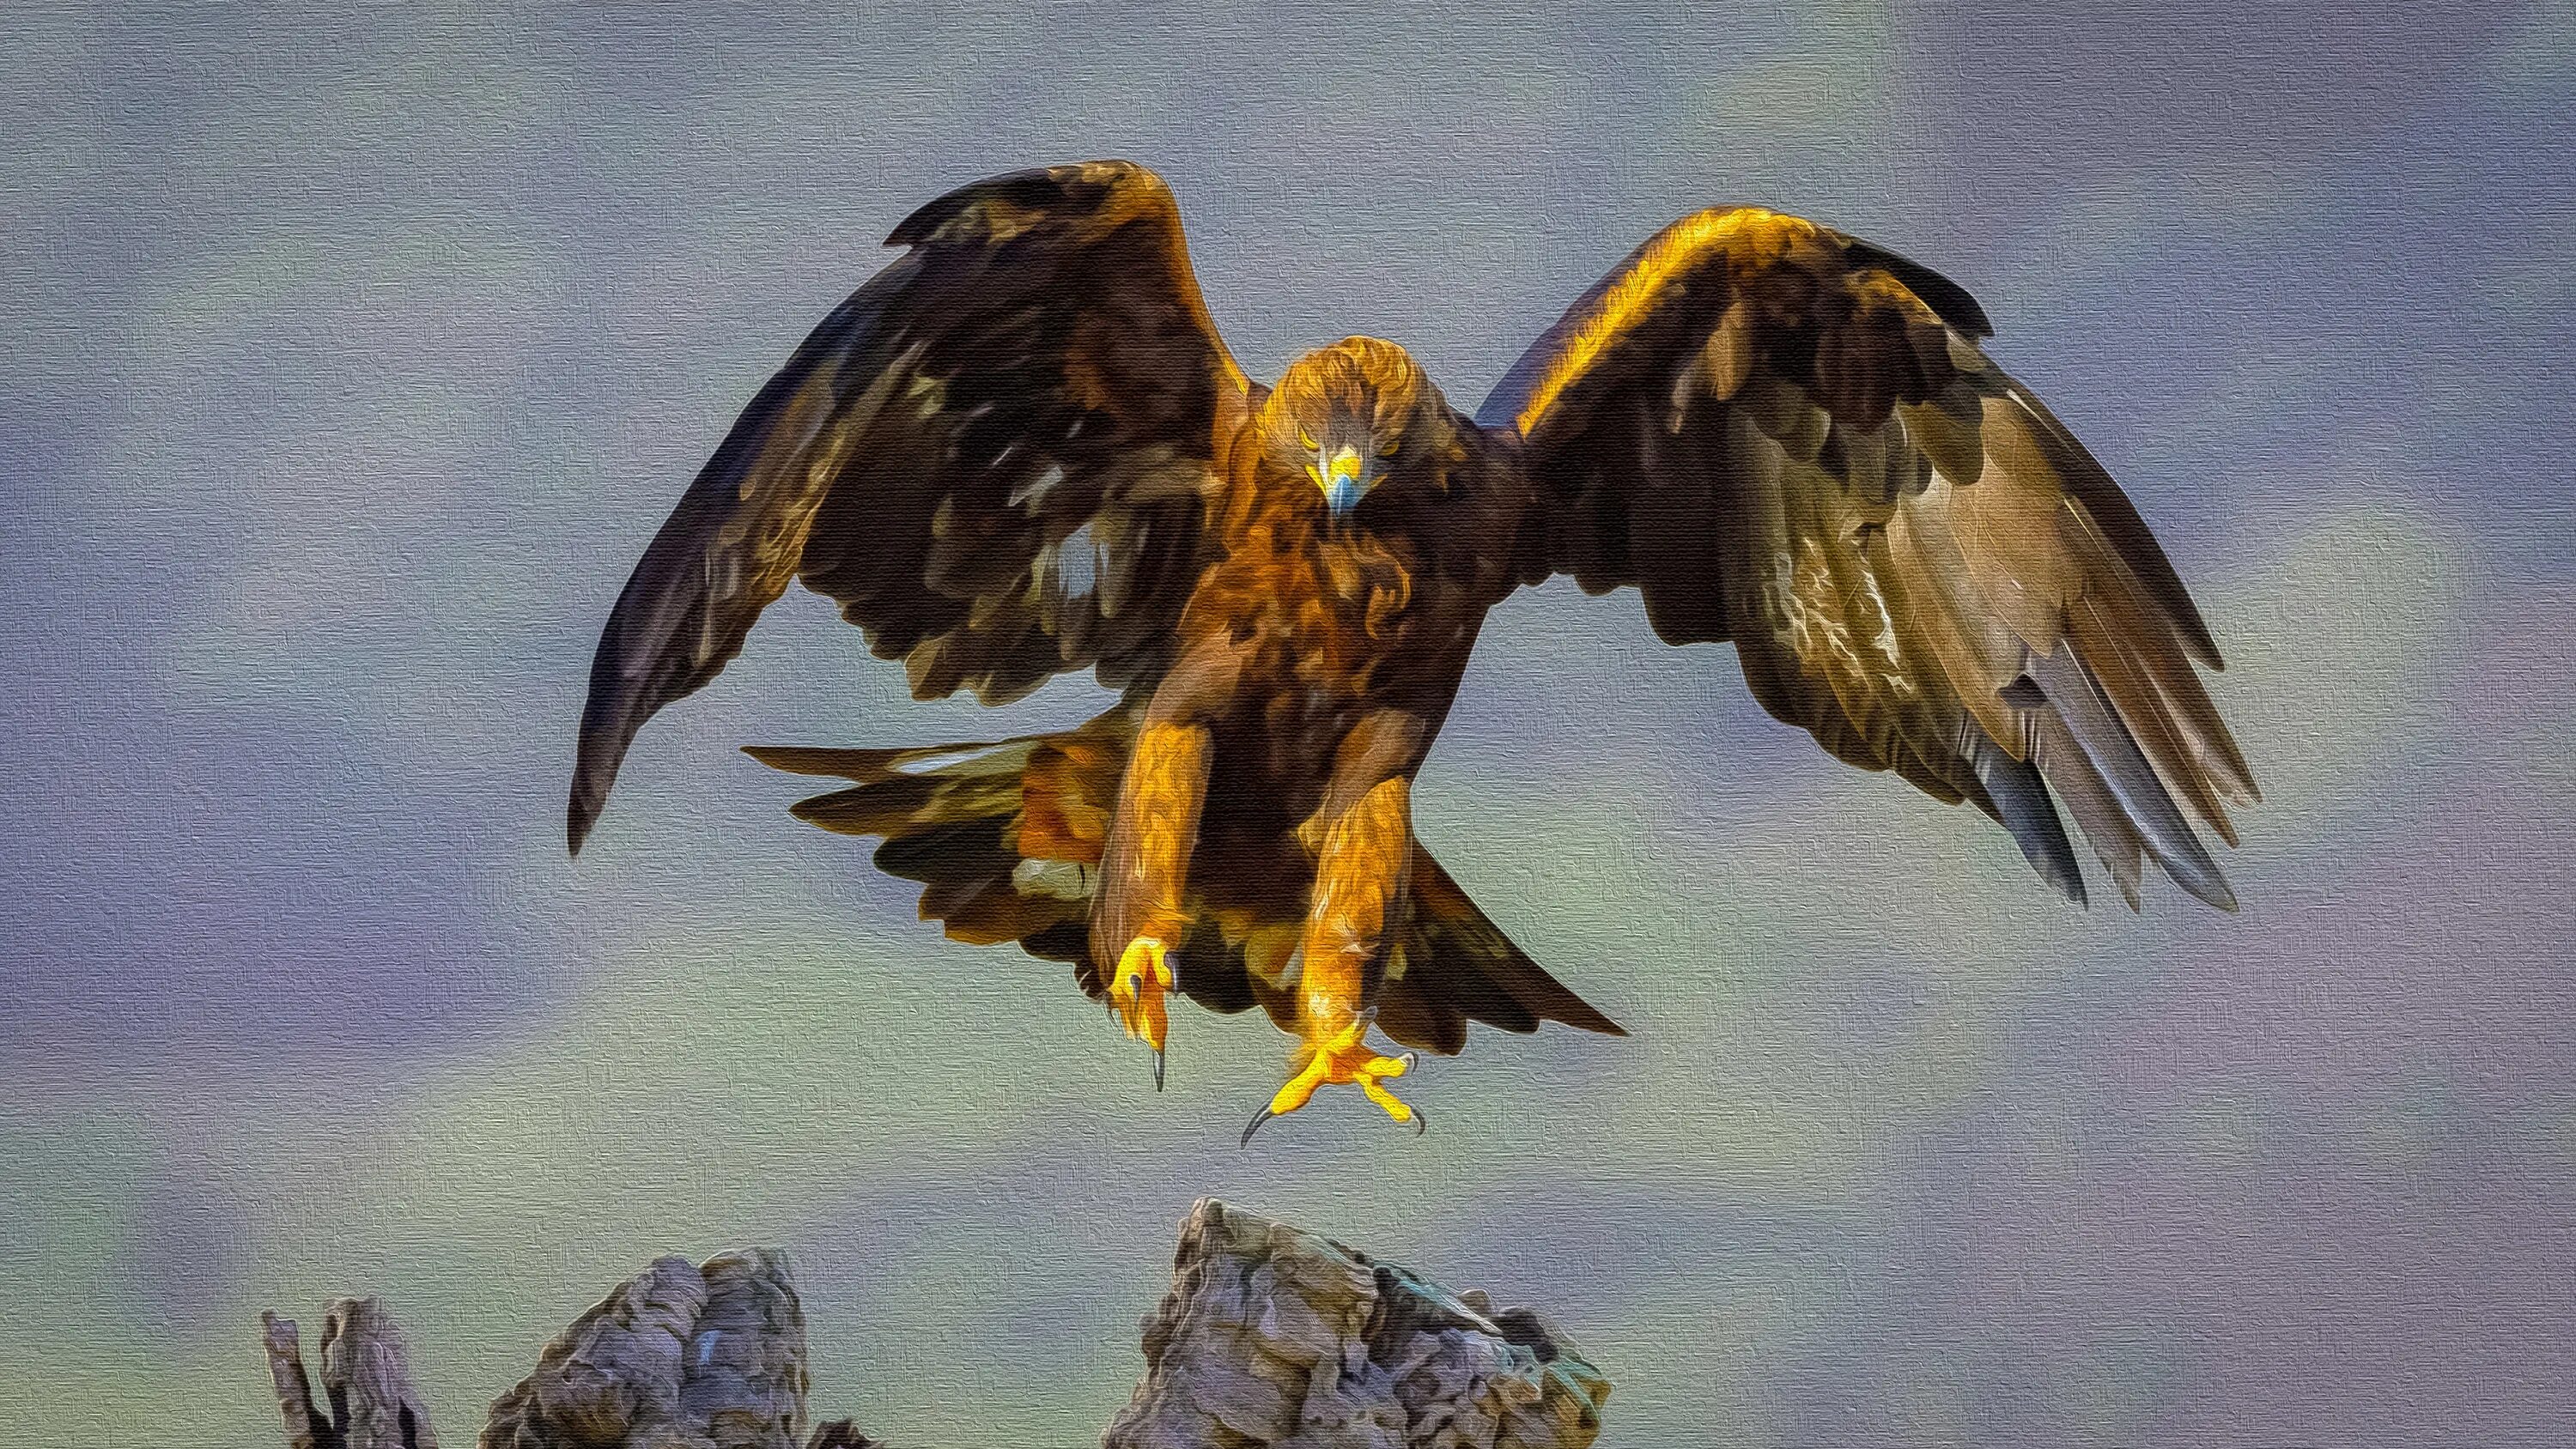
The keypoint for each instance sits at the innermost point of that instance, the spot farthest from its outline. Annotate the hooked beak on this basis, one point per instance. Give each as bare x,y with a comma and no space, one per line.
1344,477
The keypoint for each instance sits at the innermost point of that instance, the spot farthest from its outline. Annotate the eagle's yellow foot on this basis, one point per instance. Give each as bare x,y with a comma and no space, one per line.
1344,1060
1136,995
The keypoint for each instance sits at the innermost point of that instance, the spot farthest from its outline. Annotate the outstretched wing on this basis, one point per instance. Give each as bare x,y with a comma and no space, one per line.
997,456
1789,438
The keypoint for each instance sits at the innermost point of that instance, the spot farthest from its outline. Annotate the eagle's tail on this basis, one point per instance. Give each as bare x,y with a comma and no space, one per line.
1006,835
1455,966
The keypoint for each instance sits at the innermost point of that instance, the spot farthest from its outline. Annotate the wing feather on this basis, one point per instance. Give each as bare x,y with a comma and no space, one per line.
997,457
2071,776
1790,438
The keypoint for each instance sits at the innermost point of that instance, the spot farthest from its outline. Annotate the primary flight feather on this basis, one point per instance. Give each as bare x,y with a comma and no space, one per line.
1022,449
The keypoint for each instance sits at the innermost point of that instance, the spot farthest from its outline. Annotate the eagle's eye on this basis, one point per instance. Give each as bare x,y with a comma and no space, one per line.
1388,448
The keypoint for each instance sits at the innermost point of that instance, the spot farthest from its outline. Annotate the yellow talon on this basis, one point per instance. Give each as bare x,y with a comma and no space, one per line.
1394,1106
1136,994
1342,1061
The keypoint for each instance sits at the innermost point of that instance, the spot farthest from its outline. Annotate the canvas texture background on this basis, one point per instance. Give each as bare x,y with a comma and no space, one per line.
349,363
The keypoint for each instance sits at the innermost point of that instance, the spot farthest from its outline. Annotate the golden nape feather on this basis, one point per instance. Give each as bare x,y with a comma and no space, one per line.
1022,449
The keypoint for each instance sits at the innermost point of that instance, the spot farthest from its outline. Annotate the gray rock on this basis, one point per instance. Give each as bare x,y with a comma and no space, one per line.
678,1357
1275,1338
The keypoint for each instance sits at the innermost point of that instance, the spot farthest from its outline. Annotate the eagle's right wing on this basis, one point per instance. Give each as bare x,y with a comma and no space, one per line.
997,456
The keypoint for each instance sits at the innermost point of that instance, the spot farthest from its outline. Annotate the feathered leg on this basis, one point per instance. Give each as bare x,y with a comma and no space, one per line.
1139,915
1363,862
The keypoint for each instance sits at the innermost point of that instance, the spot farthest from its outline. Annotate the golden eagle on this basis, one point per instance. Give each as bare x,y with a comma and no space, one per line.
1022,449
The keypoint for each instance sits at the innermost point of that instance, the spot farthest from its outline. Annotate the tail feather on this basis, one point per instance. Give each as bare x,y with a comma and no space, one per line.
1005,837
867,767
1457,966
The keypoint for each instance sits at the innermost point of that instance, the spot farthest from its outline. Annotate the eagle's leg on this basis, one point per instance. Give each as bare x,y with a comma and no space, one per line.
1360,881
1139,914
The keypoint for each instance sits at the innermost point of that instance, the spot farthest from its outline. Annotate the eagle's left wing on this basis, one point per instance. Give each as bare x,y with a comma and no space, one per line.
1786,437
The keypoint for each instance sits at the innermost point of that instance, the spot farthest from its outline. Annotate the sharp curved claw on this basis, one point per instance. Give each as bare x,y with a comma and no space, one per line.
1420,1122
1264,1115
1136,996
1343,1058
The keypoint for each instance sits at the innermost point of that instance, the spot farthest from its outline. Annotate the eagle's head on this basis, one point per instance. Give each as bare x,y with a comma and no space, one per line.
1351,416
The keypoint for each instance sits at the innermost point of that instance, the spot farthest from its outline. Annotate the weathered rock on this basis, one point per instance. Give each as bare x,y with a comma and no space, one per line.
1271,1338
1275,1338
367,1399
678,1357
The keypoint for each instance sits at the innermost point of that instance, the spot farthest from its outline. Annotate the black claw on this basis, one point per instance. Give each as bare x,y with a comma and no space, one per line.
1264,1115
1158,1071
1420,1122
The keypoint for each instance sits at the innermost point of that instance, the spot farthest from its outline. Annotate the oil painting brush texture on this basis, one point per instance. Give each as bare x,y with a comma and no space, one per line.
353,360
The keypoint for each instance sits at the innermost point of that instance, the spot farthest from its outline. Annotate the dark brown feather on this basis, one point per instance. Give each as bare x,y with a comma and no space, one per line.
1457,966
1916,560
997,456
